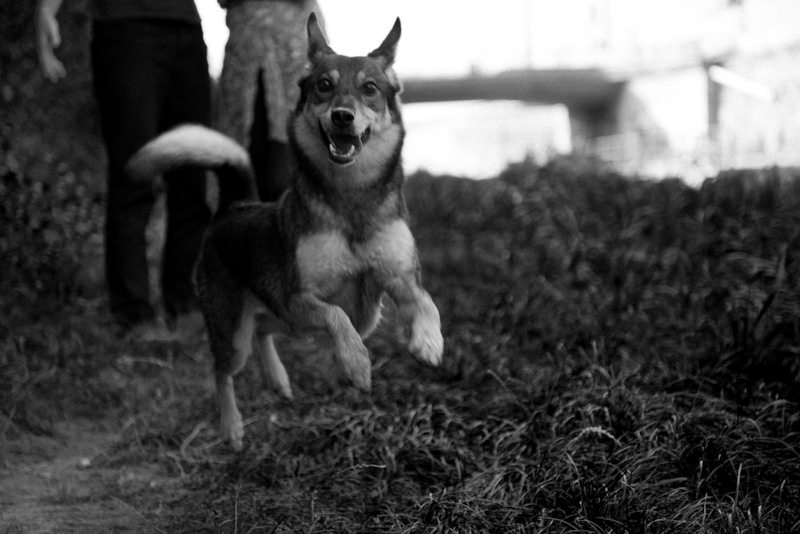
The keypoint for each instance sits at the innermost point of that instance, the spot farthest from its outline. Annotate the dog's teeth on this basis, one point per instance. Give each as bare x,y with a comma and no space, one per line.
339,153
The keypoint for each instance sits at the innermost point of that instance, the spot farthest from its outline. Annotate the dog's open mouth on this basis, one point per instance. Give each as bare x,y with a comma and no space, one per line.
343,148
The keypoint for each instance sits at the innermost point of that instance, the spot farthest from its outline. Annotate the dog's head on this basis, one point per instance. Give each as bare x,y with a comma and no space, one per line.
349,109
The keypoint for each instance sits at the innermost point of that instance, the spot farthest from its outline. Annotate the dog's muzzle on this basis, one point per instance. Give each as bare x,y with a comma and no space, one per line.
343,146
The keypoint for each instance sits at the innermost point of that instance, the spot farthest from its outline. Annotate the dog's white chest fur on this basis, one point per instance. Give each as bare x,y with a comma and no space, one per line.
326,259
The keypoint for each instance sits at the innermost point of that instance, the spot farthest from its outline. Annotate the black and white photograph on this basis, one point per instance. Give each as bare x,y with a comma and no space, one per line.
400,266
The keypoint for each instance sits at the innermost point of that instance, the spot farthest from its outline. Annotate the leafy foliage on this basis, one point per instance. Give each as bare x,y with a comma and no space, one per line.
51,178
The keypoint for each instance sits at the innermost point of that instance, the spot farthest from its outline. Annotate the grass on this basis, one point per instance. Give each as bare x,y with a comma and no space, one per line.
621,356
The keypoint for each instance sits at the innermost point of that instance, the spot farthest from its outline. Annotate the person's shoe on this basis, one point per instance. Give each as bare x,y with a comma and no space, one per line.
153,331
188,327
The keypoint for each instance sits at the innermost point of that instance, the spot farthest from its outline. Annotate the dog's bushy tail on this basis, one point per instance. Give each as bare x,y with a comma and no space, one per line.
192,145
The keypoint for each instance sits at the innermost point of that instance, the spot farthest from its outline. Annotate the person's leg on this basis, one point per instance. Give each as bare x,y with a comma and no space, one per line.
271,159
187,211
128,88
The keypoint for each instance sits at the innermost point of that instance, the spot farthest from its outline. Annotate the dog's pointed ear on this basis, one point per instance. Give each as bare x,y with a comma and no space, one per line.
388,48
317,43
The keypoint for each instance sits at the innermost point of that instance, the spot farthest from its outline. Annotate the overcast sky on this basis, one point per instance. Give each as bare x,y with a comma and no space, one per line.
455,37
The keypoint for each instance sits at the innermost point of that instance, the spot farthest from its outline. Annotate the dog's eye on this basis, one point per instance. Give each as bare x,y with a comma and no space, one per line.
324,85
369,89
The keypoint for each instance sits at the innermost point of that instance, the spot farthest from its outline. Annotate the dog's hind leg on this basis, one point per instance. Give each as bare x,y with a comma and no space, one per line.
271,366
230,354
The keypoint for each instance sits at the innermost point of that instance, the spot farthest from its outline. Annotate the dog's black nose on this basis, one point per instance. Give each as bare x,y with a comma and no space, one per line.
342,117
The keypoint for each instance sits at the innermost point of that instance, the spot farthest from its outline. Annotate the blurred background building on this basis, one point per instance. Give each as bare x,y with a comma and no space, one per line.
655,87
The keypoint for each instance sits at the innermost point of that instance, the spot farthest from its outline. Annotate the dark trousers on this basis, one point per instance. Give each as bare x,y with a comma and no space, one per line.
150,75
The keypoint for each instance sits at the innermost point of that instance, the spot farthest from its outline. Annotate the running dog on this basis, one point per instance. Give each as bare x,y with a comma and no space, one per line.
317,262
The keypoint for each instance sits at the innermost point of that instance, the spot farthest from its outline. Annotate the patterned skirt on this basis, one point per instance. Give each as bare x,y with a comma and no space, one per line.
267,39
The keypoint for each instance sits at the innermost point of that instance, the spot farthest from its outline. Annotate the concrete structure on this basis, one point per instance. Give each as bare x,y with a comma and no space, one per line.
590,95
686,87
691,121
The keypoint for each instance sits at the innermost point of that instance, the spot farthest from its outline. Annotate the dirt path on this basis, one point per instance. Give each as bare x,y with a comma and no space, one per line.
58,484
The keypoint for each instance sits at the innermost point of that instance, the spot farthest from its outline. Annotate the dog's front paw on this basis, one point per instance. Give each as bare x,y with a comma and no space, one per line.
232,430
426,343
